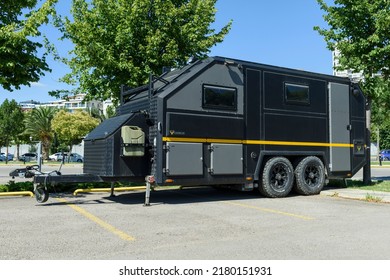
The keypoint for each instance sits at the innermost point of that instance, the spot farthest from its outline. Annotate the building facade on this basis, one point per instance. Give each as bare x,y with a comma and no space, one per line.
72,104
344,73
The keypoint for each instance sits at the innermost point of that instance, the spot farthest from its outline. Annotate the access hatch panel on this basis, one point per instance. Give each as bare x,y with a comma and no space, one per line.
226,159
184,159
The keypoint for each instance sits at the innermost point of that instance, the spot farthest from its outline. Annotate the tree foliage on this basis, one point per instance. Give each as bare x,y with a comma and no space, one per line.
360,30
39,126
98,113
11,122
380,107
20,62
71,128
380,114
122,41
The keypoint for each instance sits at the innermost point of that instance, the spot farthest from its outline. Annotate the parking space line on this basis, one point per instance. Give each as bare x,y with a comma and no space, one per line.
269,210
306,218
97,220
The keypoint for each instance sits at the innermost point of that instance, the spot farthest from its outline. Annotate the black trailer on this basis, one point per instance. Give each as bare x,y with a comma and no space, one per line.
226,122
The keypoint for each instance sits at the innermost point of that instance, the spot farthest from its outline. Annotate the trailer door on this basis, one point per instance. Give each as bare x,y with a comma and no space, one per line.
339,127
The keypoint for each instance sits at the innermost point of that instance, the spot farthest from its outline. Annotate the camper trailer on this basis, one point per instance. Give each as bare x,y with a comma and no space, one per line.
226,122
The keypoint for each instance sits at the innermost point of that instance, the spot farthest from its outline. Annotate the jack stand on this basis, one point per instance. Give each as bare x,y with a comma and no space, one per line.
112,189
149,181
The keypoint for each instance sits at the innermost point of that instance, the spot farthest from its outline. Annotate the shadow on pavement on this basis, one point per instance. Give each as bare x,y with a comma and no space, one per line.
164,196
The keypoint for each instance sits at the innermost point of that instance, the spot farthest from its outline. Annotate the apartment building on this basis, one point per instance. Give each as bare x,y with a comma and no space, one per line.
344,73
72,103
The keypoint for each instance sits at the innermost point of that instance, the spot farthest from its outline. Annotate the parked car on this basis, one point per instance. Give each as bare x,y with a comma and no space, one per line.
384,155
28,157
74,157
56,156
10,157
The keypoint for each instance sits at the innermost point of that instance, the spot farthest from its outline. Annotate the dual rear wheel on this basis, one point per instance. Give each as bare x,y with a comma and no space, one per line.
279,174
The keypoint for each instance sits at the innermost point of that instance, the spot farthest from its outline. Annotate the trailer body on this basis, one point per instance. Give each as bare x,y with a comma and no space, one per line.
222,121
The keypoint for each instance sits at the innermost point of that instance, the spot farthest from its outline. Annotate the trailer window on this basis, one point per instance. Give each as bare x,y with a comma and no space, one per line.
221,98
296,93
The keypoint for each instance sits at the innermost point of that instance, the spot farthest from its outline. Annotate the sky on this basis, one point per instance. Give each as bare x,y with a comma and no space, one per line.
278,32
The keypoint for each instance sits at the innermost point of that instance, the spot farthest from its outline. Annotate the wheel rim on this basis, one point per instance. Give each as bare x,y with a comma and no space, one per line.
279,177
40,193
312,175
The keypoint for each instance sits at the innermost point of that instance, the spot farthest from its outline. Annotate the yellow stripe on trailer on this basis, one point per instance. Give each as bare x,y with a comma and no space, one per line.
255,142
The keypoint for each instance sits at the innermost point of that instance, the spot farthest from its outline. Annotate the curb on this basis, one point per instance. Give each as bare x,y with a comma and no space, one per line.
22,193
368,196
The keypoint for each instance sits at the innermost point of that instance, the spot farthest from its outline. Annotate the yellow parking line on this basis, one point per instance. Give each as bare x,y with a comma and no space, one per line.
307,218
97,220
269,210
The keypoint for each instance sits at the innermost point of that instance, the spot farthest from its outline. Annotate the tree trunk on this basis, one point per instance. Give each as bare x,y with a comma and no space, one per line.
17,151
377,144
367,167
70,151
6,154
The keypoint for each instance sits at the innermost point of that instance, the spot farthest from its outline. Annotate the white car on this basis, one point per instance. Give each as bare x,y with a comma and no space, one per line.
74,157
56,156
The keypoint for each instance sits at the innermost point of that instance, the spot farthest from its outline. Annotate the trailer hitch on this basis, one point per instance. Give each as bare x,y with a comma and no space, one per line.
29,172
41,192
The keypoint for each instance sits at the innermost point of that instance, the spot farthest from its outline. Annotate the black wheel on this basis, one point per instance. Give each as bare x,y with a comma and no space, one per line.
309,176
41,195
278,177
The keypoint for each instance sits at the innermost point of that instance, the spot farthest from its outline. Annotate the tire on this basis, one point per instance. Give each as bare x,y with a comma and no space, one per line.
41,195
309,176
278,178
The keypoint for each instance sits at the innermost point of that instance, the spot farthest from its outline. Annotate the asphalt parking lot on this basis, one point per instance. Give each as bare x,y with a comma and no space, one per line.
193,223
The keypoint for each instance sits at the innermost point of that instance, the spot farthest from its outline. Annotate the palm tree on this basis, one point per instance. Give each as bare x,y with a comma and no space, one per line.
99,114
38,125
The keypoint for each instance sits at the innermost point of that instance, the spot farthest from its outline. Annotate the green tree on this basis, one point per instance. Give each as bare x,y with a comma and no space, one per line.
39,127
19,22
120,42
360,31
380,125
11,122
71,128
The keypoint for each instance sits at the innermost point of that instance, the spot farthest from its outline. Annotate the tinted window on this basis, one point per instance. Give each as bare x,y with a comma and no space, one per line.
297,93
221,98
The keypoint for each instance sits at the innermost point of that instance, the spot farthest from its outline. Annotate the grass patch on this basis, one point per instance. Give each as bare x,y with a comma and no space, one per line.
380,186
372,198
11,186
376,163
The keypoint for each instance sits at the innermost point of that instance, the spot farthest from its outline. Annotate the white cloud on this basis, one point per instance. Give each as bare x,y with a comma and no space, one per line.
38,84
